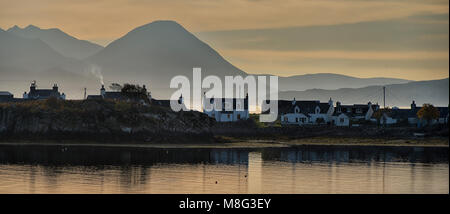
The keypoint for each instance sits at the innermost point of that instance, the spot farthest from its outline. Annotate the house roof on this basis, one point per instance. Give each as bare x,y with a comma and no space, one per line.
306,106
230,101
443,112
165,103
89,97
113,95
5,93
403,113
43,93
352,110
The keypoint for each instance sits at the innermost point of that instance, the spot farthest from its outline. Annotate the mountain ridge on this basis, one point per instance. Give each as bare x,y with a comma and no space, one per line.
400,95
63,43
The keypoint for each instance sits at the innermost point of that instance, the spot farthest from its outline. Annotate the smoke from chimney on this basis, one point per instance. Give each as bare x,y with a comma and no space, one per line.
96,71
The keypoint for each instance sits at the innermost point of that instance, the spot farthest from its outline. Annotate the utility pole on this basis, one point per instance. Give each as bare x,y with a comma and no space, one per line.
384,97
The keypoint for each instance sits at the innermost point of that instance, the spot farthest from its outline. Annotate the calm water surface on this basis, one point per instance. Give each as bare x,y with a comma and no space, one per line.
307,169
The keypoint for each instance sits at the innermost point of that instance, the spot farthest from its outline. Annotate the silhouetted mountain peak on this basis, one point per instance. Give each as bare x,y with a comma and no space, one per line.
161,28
60,41
15,27
32,27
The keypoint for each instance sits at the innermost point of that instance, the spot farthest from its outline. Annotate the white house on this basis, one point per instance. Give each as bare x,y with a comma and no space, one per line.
341,119
343,115
305,112
226,109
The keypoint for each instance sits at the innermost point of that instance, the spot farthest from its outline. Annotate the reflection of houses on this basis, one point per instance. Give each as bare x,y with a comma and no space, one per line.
226,109
41,94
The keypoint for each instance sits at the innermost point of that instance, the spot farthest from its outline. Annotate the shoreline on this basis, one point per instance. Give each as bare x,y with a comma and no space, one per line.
256,144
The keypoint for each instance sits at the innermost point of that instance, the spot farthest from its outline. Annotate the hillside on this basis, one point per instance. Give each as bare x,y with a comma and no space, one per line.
400,95
61,42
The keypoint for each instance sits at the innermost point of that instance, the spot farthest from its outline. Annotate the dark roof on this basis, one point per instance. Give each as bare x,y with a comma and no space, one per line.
443,112
43,94
351,110
403,113
114,95
306,106
5,93
96,97
165,103
234,101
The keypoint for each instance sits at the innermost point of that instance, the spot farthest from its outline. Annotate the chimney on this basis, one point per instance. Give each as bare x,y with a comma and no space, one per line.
330,102
413,105
33,87
102,91
293,101
55,88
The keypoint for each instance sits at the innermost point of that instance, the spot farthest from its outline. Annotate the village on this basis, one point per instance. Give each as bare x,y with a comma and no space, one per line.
290,112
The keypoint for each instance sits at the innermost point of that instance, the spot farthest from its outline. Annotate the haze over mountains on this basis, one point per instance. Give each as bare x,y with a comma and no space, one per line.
400,95
154,53
61,42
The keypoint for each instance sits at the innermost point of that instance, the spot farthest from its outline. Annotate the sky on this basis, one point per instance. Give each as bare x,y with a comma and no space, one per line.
364,38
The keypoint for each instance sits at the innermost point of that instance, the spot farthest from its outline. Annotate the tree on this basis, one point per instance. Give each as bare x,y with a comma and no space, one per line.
428,112
115,87
379,114
135,92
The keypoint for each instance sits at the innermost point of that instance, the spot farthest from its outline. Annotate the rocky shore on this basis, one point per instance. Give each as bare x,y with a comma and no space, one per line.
103,121
99,120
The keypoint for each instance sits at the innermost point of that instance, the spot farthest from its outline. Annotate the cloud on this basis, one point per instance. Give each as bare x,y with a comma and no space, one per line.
422,32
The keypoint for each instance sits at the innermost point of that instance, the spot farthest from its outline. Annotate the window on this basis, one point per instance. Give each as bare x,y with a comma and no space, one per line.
238,116
303,120
296,119
228,116
342,120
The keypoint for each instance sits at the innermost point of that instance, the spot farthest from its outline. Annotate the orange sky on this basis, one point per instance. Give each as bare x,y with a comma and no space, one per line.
103,21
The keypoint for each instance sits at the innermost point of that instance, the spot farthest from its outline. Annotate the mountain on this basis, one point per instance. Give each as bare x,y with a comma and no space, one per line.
27,54
331,81
435,92
63,43
156,52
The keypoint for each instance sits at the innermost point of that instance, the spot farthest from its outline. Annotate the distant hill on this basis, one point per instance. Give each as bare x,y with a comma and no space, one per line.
331,81
61,42
400,95
155,53
27,54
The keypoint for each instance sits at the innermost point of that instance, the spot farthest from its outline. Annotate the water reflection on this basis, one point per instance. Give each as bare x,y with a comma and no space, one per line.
307,169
